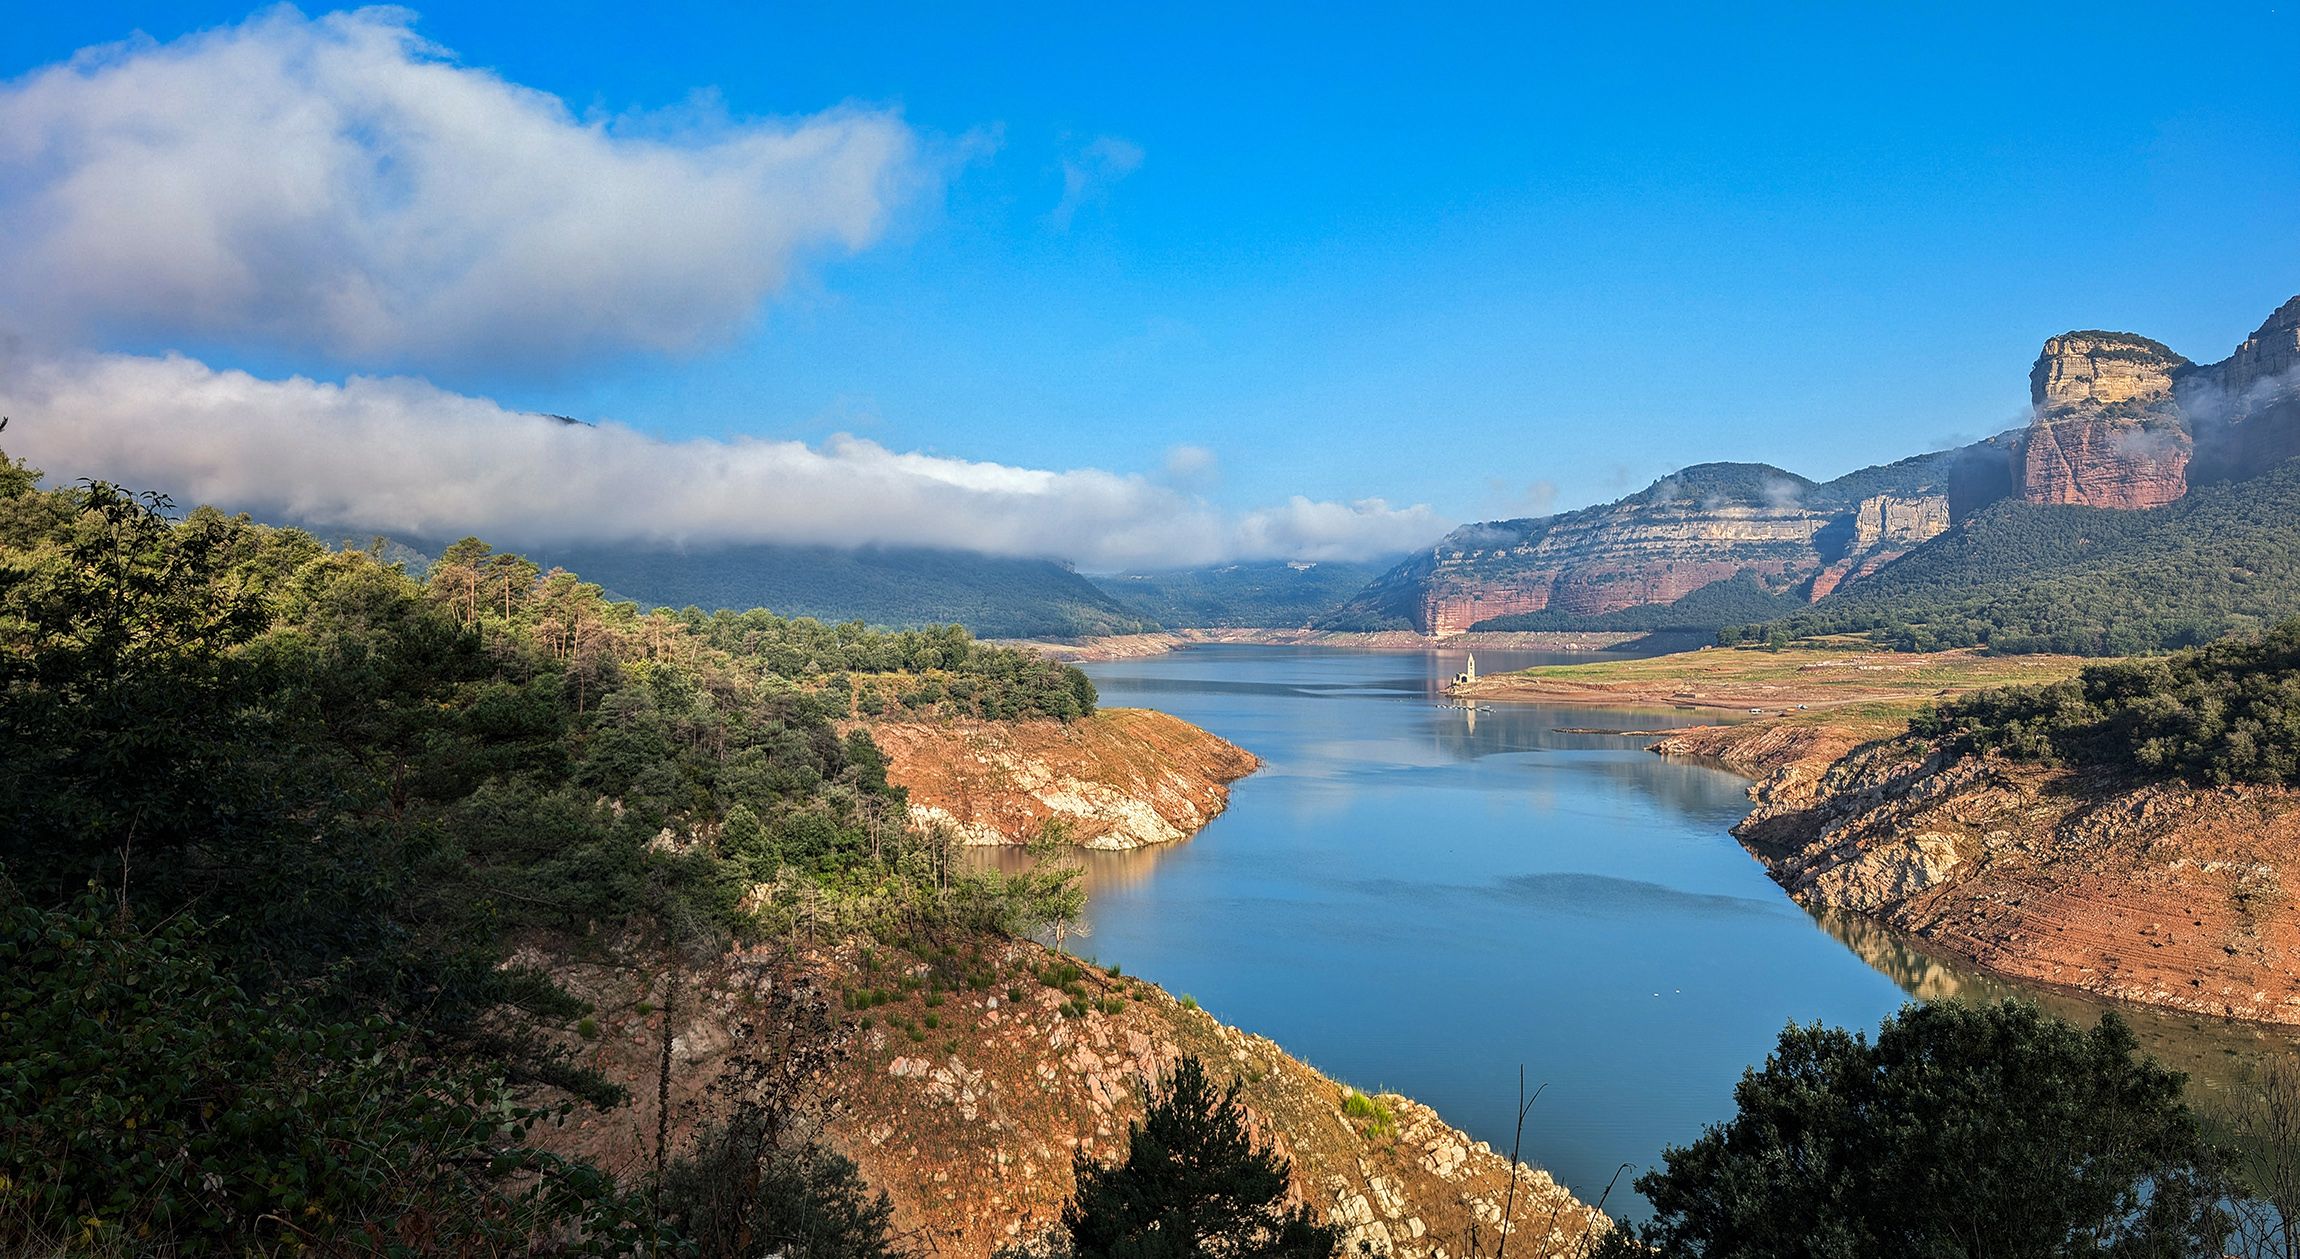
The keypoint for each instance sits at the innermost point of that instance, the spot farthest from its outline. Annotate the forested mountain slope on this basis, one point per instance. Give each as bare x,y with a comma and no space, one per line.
2089,580
1261,594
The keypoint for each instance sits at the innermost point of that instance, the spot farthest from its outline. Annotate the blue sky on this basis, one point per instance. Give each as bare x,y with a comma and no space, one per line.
1487,260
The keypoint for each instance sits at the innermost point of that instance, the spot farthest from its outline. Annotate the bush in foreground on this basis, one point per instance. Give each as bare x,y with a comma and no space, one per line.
1958,1131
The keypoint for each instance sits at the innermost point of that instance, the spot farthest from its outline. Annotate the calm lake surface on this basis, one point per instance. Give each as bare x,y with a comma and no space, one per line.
1415,897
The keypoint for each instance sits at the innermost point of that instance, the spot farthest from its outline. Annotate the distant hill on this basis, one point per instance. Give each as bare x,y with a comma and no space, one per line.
992,596
1277,594
890,587
2137,466
1750,534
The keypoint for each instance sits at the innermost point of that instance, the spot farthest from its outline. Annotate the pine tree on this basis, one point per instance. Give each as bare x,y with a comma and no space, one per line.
1194,1183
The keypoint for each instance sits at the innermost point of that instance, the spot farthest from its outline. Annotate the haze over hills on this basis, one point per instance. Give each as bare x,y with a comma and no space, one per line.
2142,507
1265,594
889,587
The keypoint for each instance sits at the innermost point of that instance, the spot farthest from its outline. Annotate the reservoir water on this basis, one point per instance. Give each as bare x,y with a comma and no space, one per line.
1416,897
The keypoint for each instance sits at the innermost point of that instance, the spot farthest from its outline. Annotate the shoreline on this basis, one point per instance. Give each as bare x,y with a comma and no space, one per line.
2150,894
2050,904
1138,646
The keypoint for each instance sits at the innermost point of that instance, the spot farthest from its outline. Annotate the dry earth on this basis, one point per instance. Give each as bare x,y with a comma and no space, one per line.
968,1106
2163,894
1121,778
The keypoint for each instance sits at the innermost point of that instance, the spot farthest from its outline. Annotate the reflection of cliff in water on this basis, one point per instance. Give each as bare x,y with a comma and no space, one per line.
2220,1057
1107,870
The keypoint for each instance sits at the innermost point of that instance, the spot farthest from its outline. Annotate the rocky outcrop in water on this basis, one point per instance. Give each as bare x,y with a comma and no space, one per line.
1121,778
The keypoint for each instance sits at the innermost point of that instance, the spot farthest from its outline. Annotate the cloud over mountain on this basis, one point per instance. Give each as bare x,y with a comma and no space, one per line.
337,185
401,455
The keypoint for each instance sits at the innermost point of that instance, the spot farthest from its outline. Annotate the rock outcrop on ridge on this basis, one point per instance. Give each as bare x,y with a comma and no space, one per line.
2117,421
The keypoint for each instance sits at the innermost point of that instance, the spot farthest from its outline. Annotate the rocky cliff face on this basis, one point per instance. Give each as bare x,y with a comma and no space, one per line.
2106,431
2245,409
2119,421
2159,893
1122,778
968,1095
1705,524
1885,528
2122,421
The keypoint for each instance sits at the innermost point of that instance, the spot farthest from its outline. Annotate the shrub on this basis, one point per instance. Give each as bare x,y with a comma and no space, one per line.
1959,1130
1194,1182
2221,714
185,1111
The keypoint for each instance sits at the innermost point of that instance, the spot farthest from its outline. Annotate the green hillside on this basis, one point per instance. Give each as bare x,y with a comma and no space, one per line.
287,828
889,587
1266,594
2087,580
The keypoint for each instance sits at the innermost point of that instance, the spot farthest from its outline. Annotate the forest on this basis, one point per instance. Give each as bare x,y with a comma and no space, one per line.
281,814
2030,577
2216,715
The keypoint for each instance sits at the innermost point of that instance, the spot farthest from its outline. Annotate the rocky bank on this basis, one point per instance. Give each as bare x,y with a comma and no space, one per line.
1121,778
968,1094
2159,893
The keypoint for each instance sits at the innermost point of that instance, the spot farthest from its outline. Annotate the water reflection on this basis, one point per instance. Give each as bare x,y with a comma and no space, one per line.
2220,1058
1409,900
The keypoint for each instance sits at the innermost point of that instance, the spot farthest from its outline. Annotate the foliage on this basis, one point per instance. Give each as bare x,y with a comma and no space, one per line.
887,586
1737,600
1959,1131
938,672
1373,1118
144,1094
2226,713
744,1194
2030,577
1256,594
1193,1183
357,790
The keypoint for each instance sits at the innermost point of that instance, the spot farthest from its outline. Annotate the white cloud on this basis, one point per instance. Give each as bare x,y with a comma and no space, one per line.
339,185
1088,174
1192,467
400,455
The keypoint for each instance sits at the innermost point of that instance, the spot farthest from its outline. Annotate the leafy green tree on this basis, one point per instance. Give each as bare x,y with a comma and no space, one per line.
1960,1131
1194,1183
2225,713
147,1098
743,1194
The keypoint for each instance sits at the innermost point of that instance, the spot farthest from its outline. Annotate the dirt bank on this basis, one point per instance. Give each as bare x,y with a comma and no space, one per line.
967,1106
2159,893
1805,677
1122,778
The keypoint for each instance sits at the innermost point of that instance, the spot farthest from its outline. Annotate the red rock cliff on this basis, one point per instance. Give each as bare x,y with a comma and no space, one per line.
2107,432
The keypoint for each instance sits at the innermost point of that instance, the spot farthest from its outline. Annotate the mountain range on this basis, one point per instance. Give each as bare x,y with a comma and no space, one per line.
2134,456
2147,503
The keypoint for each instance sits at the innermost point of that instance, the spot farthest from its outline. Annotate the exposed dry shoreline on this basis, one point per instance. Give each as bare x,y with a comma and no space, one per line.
1134,646
1121,778
2162,894
968,1106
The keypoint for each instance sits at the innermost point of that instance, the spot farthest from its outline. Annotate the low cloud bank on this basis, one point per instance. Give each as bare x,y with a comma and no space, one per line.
400,455
339,185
